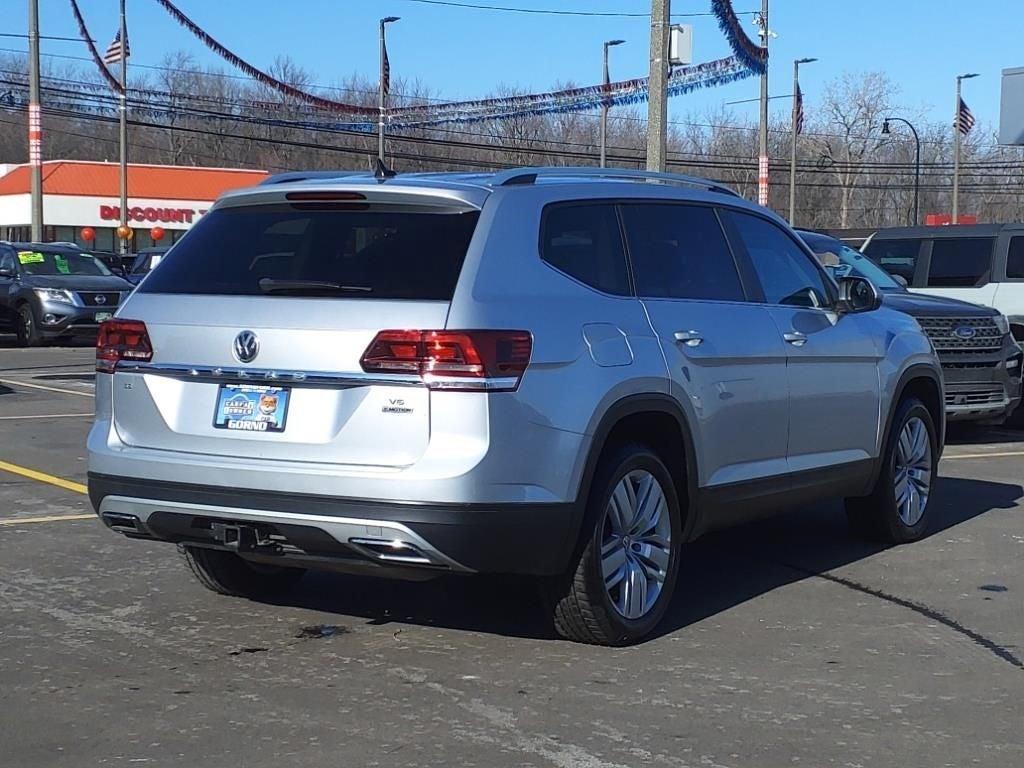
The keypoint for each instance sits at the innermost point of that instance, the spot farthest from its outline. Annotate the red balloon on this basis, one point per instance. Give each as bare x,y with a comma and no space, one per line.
125,233
88,234
157,233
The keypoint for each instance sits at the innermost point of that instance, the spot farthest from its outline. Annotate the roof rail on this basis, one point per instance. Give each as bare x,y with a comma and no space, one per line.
515,176
284,178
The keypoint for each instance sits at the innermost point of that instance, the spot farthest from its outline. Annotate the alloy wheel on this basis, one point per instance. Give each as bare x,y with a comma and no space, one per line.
912,478
636,541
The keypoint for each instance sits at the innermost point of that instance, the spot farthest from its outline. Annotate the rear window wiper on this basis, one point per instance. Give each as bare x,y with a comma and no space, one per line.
272,285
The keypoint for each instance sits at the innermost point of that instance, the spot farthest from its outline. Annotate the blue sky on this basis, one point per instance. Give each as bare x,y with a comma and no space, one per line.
463,53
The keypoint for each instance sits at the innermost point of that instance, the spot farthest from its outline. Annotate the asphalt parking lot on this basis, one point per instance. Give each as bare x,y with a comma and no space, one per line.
789,643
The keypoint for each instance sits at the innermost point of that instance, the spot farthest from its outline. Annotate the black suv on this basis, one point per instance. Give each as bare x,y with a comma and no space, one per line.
981,362
50,290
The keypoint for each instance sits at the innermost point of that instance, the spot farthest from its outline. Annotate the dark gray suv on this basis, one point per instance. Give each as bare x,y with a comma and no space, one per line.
49,290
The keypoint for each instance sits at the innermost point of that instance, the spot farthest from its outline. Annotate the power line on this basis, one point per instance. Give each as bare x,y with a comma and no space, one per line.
557,12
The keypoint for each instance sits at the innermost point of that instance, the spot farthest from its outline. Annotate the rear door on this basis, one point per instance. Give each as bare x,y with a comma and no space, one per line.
263,312
832,359
8,285
726,361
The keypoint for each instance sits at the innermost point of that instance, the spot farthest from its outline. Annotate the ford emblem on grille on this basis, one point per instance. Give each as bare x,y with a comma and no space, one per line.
100,298
246,346
964,332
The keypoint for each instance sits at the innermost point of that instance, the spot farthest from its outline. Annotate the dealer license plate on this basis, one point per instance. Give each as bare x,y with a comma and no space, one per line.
101,316
251,408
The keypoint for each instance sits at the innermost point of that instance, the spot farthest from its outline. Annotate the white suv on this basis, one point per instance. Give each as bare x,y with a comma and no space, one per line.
567,373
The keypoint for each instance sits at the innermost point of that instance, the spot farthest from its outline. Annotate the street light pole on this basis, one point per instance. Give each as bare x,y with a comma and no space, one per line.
956,147
384,86
795,129
762,143
123,132
35,125
917,164
604,102
657,84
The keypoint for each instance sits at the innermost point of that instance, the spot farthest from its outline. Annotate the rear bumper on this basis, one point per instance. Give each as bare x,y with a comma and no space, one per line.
533,539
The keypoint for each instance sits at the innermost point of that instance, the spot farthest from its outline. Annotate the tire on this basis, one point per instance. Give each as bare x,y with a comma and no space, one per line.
584,609
228,574
27,329
878,516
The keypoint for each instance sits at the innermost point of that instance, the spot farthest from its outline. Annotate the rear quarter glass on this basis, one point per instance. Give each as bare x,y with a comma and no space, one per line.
374,254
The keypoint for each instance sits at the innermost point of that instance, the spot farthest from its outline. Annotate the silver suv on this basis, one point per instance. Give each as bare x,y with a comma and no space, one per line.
560,372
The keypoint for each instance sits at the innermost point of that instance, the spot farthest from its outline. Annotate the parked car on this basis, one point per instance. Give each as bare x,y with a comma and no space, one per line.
981,362
119,265
561,372
49,290
146,261
980,263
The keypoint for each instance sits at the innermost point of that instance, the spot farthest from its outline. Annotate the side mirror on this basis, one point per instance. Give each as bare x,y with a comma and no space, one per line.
117,271
8,272
901,280
857,294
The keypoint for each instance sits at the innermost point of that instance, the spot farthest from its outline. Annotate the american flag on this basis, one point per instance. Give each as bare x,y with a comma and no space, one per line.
113,54
798,110
965,120
385,73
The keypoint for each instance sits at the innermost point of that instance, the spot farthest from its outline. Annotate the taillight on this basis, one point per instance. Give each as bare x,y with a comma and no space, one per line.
122,340
474,360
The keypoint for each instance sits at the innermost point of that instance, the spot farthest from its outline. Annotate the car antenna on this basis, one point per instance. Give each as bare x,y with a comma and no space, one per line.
382,173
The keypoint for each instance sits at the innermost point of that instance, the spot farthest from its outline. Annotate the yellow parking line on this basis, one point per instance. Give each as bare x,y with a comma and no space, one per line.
48,519
42,477
47,389
46,416
1002,454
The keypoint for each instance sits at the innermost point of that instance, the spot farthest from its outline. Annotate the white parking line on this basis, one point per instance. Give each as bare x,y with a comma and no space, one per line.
47,416
999,455
47,389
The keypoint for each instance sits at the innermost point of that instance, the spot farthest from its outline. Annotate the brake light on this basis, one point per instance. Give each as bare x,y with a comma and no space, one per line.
122,340
473,360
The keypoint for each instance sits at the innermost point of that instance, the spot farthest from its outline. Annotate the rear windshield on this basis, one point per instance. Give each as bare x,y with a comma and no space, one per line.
57,263
292,250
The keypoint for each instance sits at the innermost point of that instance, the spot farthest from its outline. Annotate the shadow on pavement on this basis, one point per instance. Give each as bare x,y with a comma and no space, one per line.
719,571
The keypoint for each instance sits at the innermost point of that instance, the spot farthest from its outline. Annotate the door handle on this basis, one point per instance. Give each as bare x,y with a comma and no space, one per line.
795,338
689,338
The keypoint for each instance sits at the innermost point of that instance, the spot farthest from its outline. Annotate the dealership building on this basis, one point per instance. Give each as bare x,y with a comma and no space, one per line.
79,194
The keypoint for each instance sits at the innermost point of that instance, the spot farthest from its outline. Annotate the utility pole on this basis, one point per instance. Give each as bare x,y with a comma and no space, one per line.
35,124
795,130
604,102
384,87
957,136
762,151
123,133
657,103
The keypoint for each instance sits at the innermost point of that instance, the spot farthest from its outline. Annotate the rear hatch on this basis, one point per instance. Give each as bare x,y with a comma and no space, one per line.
258,320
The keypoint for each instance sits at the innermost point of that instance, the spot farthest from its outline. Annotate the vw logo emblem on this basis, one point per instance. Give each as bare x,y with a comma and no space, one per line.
101,299
246,346
964,332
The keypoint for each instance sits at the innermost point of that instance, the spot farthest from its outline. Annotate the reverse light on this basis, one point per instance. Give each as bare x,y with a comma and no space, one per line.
461,360
122,340
58,295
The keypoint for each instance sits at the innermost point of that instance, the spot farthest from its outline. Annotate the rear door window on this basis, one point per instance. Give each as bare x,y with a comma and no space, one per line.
960,262
584,241
680,252
897,257
349,251
1015,258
